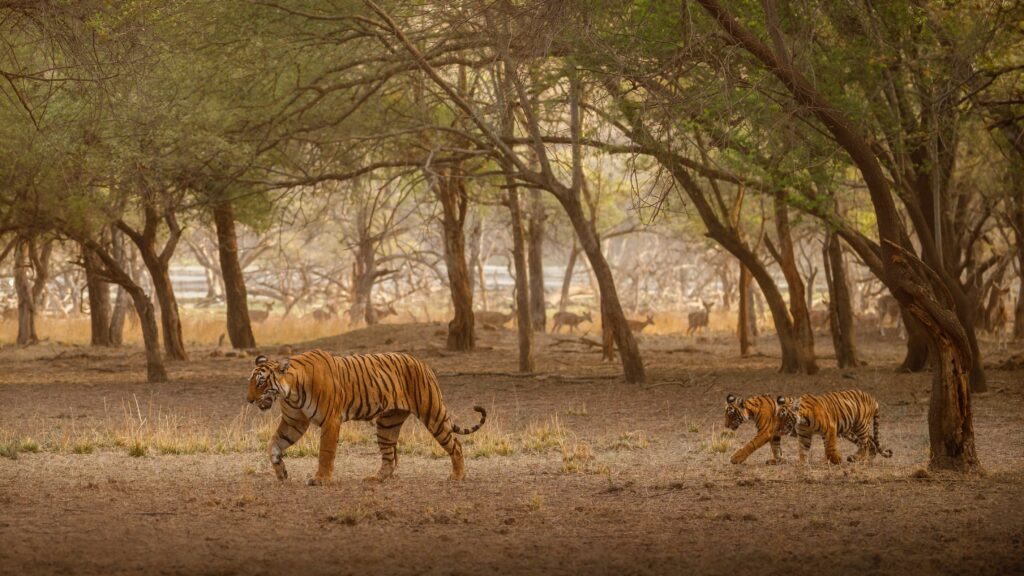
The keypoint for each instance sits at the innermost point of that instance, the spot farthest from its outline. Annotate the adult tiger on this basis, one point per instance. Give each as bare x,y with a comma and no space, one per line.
327,390
763,410
851,414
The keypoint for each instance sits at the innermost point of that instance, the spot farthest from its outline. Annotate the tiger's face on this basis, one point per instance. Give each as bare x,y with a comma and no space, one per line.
789,415
266,382
735,412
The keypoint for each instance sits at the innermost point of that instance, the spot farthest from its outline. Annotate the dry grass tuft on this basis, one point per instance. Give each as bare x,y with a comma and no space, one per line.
630,441
544,436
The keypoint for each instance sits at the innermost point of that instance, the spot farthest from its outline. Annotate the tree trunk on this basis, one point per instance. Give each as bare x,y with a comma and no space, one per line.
170,321
1018,312
23,287
155,371
158,265
117,317
451,191
743,328
840,307
563,300
611,310
235,294
950,419
523,316
99,300
476,267
535,243
786,257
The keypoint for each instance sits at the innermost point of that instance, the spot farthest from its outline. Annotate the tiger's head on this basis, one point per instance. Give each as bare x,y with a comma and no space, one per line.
789,415
266,382
736,412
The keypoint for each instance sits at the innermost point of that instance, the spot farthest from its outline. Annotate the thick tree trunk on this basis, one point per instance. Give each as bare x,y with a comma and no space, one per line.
155,371
950,419
99,300
786,257
451,192
840,306
535,243
523,316
746,311
235,294
170,321
563,300
23,287
611,310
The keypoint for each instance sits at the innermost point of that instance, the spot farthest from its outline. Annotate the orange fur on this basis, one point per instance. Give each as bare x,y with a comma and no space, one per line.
328,390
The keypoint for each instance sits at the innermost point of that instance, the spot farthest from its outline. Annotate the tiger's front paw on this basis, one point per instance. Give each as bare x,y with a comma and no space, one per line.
314,482
737,459
775,462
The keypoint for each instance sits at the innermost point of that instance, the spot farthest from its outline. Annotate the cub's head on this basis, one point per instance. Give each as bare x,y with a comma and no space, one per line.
266,382
789,415
736,412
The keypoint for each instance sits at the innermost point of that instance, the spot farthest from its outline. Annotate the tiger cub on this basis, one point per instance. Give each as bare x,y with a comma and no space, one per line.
763,410
851,414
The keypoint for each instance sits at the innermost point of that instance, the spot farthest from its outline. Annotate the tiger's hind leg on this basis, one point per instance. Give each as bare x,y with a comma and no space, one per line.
446,438
389,426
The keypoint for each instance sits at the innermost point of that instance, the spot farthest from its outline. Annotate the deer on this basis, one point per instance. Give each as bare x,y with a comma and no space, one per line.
383,313
698,319
493,317
569,319
639,325
261,315
324,313
819,317
888,307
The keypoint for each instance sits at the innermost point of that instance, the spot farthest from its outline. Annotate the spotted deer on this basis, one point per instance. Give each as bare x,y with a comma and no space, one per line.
384,312
638,326
569,319
698,320
324,314
261,315
493,317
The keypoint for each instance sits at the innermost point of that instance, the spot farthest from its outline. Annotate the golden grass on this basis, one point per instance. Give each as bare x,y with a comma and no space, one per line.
544,436
637,440
11,445
200,328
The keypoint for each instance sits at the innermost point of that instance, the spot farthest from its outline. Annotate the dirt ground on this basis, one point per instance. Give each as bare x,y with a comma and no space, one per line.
575,471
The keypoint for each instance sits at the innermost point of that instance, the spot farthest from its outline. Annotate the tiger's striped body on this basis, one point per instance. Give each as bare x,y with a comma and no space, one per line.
763,410
851,414
317,387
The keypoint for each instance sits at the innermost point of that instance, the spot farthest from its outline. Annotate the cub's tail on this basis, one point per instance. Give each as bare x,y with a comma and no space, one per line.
878,444
483,418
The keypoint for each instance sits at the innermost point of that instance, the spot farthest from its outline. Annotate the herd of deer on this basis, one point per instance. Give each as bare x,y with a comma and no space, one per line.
696,320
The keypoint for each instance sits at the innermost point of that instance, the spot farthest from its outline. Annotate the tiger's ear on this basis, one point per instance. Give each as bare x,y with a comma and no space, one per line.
261,359
781,400
730,398
284,366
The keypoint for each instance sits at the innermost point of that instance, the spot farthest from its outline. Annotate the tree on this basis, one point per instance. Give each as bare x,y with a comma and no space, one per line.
918,287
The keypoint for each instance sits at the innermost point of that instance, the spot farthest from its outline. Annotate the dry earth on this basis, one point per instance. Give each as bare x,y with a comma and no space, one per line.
575,472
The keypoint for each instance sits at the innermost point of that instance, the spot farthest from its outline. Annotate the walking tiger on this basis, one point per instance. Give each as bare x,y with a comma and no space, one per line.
327,390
